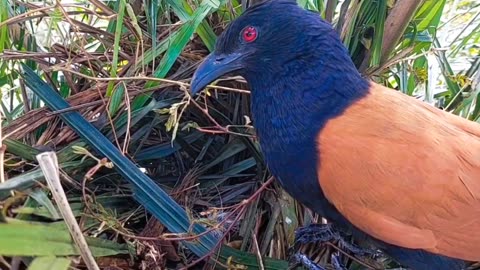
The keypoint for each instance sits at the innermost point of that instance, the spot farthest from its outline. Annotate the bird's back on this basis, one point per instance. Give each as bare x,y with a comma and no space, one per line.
393,165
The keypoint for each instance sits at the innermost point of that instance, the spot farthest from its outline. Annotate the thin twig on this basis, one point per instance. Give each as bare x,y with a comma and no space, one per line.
126,140
75,107
236,207
143,78
242,207
353,258
257,251
237,218
26,14
217,129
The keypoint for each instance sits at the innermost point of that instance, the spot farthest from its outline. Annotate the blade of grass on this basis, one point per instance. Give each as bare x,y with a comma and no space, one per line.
379,33
4,29
184,11
116,46
20,149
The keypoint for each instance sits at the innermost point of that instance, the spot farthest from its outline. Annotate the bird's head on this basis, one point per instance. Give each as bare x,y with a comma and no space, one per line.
265,38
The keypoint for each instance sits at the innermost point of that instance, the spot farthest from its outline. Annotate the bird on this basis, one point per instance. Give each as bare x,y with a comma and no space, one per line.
383,165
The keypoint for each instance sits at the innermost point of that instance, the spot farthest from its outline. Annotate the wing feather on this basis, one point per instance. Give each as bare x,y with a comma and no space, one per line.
405,173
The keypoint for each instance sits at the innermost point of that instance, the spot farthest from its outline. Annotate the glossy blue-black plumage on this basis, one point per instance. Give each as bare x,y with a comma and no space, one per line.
301,76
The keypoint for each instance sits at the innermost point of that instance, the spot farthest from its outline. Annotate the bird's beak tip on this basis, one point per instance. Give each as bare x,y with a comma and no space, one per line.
197,83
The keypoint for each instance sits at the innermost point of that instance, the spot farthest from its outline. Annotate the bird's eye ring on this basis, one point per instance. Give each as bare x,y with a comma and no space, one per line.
249,34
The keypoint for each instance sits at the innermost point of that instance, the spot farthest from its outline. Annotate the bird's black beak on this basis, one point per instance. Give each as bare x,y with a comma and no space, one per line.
212,68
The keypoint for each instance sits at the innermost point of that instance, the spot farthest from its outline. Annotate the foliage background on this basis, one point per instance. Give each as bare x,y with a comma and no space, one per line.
107,60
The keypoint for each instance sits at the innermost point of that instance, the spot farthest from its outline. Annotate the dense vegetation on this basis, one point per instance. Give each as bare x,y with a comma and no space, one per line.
125,67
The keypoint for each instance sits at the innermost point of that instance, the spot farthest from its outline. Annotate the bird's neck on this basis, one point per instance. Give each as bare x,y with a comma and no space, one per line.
290,107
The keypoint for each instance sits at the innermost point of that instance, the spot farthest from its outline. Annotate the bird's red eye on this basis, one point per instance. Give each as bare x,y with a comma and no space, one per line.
249,34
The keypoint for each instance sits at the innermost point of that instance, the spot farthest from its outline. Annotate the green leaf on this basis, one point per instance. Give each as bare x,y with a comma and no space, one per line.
116,47
4,29
43,200
184,11
177,44
116,99
20,149
50,263
378,36
429,14
19,238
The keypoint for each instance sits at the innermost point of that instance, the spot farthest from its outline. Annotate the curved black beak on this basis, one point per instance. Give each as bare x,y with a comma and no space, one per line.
212,68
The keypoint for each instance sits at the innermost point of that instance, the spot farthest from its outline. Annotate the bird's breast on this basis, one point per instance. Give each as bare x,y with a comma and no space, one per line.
288,143
288,119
